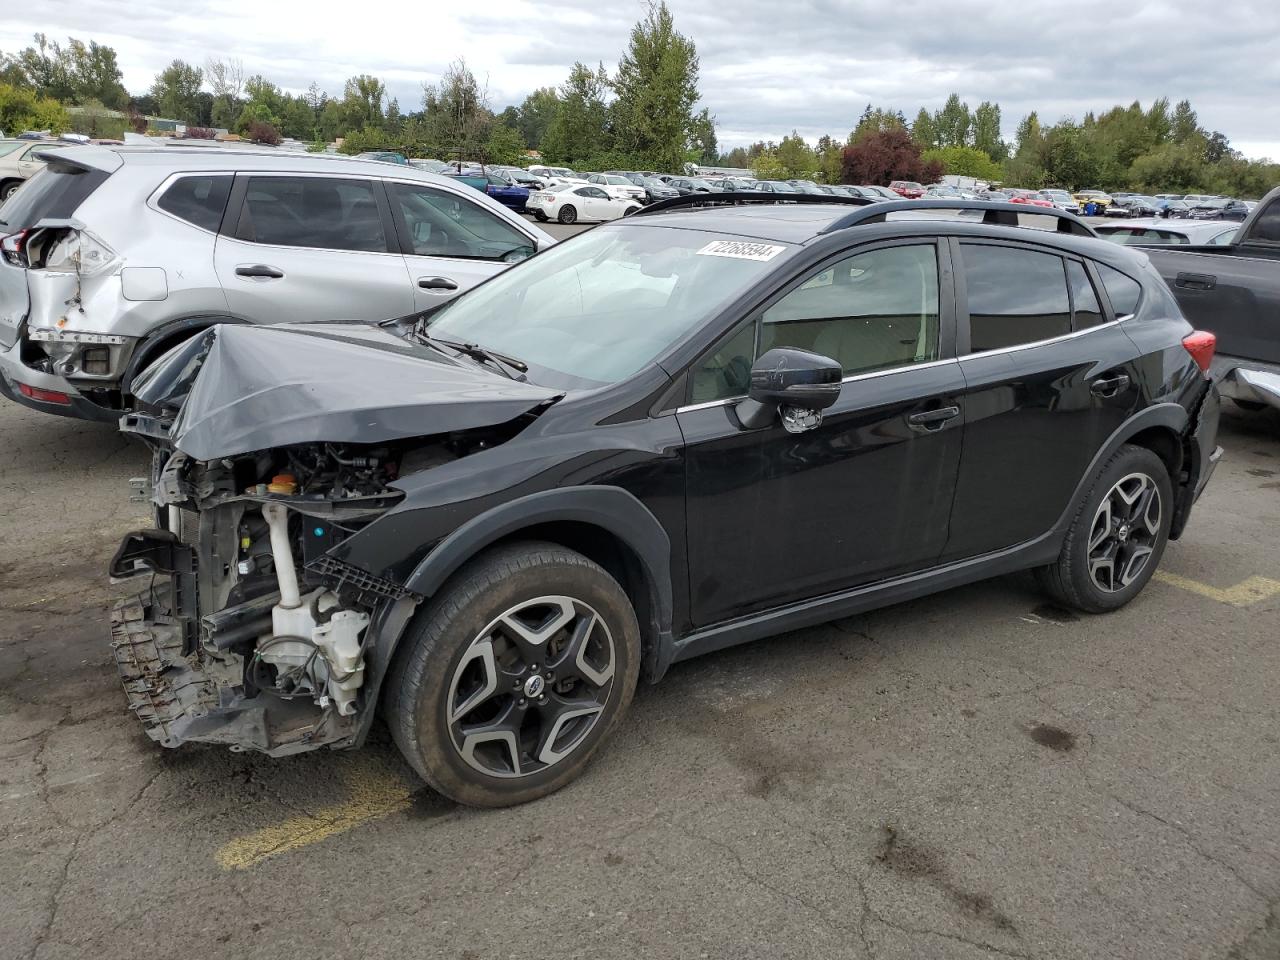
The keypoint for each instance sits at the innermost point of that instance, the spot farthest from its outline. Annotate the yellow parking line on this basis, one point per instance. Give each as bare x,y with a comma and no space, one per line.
1241,595
372,795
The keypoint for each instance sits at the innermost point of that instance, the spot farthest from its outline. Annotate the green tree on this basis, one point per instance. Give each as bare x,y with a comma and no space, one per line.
1176,167
579,128
1185,126
923,131
95,75
176,88
876,120
47,69
23,109
362,99
964,162
1070,159
226,80
797,158
456,112
504,146
1159,122
656,87
766,165
953,123
702,139
986,131
536,114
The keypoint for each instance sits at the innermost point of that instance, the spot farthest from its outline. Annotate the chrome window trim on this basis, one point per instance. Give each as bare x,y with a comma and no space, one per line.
851,378
1040,343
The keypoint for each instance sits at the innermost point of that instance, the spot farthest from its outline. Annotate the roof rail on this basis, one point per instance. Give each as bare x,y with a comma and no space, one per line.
994,213
876,211
730,198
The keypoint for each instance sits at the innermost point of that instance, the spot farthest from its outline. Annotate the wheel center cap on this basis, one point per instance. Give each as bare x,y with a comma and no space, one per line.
534,686
1123,532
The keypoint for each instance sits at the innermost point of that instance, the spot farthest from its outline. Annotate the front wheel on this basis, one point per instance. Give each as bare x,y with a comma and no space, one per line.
568,215
1117,536
9,189
515,675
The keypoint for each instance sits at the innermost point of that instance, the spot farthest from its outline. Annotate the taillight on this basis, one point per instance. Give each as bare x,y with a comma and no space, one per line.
1201,344
14,248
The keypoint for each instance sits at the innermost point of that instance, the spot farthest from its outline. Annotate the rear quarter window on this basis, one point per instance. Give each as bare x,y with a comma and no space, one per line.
198,200
1124,292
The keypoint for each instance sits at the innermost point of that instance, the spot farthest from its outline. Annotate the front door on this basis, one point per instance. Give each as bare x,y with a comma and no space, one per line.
297,248
451,242
776,517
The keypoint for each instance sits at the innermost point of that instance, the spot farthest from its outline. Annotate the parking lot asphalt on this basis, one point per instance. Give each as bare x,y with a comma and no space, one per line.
973,774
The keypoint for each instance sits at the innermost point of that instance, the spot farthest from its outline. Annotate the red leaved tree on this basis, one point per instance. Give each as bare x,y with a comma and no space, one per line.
262,132
884,155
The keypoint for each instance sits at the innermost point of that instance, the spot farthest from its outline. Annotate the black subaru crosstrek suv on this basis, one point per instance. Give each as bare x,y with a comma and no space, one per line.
719,419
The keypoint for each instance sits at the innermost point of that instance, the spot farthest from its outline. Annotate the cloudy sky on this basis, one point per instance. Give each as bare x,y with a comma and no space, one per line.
767,67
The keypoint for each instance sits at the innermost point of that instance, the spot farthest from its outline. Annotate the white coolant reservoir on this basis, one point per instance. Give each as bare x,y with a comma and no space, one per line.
339,641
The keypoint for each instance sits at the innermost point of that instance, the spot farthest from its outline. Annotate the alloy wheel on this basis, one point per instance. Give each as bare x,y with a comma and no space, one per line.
1124,532
531,687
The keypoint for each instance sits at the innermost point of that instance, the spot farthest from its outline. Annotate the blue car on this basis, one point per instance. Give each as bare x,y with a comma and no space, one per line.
505,191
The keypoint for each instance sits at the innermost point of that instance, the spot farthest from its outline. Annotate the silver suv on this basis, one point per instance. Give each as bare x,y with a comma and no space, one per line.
111,256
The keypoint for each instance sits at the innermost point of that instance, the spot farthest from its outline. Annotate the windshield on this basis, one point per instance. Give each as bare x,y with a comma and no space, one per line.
650,182
619,181
6,148
598,308
780,187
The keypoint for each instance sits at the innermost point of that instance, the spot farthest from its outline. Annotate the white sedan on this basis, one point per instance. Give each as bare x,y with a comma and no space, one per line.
571,203
620,188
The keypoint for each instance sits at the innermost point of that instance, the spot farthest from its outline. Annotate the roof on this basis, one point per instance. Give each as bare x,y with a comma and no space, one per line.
221,157
785,223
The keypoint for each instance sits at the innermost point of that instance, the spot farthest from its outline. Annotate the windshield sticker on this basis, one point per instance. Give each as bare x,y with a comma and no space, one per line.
740,250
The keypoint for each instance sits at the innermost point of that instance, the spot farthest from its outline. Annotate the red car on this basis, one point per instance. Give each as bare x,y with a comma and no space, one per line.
1027,196
907,188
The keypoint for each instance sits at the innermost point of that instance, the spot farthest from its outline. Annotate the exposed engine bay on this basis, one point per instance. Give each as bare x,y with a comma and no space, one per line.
248,633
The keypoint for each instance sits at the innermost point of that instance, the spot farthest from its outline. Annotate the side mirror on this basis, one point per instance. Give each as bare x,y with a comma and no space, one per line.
796,383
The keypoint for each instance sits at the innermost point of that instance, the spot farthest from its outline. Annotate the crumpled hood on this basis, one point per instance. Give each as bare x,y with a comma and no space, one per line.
250,387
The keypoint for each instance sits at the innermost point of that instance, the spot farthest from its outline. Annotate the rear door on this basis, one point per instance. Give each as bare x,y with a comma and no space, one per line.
298,247
1048,377
451,242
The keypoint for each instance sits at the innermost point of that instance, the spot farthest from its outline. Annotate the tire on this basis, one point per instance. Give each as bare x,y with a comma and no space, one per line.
567,215
629,211
485,743
1073,580
540,216
8,189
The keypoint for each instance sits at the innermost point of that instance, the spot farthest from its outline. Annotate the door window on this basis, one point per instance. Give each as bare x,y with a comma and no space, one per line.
1086,311
324,212
1015,296
442,224
871,311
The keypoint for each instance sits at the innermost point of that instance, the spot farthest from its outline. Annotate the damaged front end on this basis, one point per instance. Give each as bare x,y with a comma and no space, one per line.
247,631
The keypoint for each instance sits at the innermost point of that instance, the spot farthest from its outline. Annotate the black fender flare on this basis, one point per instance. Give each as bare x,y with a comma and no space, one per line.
1168,415
611,509
165,336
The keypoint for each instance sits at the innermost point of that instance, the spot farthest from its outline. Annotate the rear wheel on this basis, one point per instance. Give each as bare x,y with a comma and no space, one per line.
1117,537
515,675
8,189
542,217
568,215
